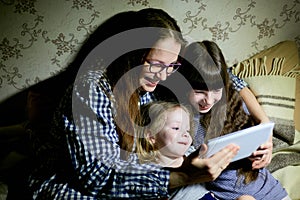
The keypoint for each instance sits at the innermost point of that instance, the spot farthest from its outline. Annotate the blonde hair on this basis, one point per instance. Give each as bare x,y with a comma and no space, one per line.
153,118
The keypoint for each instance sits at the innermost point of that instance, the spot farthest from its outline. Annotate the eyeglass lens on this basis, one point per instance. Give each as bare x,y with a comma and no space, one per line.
158,67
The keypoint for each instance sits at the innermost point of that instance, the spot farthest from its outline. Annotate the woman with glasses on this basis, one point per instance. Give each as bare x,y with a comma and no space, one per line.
89,153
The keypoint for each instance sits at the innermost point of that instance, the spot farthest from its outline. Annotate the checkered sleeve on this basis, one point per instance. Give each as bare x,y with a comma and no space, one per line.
238,83
95,154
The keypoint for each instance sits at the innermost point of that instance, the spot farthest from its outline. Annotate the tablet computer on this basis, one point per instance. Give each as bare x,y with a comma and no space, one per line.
247,139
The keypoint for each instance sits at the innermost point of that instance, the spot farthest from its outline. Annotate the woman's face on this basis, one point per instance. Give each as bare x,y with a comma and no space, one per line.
203,100
174,138
165,51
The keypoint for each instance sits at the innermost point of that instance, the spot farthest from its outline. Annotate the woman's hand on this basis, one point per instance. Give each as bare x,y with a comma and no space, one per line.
198,170
263,156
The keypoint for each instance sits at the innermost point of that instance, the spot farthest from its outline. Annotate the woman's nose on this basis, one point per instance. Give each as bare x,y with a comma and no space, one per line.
162,75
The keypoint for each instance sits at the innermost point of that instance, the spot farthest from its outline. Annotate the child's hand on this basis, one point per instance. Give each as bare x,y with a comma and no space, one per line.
199,170
263,156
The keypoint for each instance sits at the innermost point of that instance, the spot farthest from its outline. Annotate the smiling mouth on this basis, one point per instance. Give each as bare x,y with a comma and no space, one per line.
151,82
184,143
204,107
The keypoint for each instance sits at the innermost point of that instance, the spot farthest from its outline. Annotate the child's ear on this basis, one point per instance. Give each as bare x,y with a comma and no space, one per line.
150,137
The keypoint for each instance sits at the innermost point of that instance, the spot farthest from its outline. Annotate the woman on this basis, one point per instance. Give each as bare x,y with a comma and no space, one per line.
89,151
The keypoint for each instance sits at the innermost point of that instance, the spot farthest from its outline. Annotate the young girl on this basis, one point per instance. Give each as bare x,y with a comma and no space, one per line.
164,133
163,137
220,110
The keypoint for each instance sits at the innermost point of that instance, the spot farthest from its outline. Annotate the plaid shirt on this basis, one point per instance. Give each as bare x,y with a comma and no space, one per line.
238,83
89,167
93,151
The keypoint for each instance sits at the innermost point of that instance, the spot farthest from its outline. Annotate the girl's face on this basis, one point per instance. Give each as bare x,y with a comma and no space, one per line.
174,138
165,51
203,100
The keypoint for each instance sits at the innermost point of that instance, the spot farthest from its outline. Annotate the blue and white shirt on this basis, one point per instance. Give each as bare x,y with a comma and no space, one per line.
238,83
89,167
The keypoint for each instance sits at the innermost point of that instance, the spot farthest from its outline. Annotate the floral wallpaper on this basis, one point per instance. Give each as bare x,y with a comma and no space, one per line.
38,38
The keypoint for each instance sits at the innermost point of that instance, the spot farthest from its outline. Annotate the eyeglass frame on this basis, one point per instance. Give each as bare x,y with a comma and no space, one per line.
164,66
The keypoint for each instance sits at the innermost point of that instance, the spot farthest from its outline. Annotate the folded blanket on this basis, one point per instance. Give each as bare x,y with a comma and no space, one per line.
289,156
283,133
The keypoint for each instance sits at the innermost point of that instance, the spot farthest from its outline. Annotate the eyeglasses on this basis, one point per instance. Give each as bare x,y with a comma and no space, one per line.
156,67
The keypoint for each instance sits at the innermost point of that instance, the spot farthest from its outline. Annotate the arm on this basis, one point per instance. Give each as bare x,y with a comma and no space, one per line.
248,97
263,156
253,106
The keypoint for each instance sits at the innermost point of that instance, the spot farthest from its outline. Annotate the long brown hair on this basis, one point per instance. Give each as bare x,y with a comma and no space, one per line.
123,73
206,69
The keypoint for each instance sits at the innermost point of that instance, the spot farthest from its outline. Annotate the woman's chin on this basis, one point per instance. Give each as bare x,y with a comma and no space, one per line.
148,88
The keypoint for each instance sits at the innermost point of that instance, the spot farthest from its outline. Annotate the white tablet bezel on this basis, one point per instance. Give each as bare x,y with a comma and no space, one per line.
247,139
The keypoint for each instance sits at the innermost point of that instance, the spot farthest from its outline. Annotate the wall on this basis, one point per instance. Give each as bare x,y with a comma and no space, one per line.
39,37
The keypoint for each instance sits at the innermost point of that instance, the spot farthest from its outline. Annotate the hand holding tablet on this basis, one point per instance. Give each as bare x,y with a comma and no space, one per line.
248,140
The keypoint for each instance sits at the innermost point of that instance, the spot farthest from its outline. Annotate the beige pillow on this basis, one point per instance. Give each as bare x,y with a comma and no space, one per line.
278,101
284,54
288,50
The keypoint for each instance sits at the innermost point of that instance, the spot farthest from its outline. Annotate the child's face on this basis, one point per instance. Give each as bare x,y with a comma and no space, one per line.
174,139
203,100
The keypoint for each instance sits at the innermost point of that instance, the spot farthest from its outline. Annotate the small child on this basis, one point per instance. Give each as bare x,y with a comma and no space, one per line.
164,135
164,138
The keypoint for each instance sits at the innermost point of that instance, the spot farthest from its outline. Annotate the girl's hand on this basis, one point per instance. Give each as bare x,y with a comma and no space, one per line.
263,156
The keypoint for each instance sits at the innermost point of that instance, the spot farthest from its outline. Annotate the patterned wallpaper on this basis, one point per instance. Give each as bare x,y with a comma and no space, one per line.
38,38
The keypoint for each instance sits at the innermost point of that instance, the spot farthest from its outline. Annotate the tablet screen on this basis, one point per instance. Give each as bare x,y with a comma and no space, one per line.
247,139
